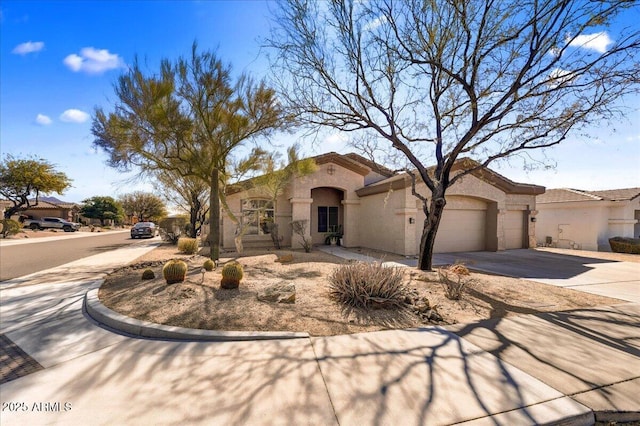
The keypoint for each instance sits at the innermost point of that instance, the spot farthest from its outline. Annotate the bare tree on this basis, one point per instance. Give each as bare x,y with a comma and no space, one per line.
439,80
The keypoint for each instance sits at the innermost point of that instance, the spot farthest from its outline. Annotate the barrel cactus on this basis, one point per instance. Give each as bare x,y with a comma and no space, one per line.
174,271
231,275
208,265
148,274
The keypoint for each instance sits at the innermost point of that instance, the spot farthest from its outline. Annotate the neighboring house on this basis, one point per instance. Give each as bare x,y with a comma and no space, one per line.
374,208
585,220
66,211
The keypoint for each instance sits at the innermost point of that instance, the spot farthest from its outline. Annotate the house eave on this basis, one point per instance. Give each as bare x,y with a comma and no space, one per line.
486,175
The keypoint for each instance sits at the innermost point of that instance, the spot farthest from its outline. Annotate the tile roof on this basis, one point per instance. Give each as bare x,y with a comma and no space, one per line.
48,205
563,195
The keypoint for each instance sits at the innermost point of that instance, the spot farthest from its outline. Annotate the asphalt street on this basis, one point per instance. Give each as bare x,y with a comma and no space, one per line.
23,259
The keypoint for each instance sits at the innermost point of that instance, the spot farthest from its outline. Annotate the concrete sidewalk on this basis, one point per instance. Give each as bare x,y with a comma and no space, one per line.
475,374
57,236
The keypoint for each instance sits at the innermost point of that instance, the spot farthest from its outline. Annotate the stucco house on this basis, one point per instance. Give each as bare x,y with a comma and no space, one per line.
571,218
61,209
374,208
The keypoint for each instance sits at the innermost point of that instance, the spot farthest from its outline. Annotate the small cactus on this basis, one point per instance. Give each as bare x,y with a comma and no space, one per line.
208,265
174,271
232,273
148,274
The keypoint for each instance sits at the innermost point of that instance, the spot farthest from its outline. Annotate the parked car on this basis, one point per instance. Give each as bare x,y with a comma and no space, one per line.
51,223
144,229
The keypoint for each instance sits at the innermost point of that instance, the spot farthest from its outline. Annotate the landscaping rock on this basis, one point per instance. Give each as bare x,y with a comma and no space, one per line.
278,293
287,258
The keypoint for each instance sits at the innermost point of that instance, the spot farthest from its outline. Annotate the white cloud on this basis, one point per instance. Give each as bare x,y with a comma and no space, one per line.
336,139
93,61
43,120
28,47
74,116
372,25
597,41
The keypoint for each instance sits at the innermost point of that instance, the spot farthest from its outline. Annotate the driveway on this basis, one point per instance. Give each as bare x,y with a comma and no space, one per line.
592,272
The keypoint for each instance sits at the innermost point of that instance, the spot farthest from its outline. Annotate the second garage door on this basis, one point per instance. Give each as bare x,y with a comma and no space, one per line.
514,222
461,230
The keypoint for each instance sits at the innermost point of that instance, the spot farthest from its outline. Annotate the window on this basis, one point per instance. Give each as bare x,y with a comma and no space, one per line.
327,219
257,215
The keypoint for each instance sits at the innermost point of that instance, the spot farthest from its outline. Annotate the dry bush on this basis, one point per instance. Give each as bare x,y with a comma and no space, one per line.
299,227
454,278
188,245
366,285
9,227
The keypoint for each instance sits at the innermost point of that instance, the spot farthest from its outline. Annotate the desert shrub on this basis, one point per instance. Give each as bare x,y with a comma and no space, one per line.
174,271
454,278
148,274
367,285
188,245
9,227
208,265
299,227
232,273
171,237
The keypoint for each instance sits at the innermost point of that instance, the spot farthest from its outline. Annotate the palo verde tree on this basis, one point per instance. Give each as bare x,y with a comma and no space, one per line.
102,208
23,180
187,118
144,205
442,80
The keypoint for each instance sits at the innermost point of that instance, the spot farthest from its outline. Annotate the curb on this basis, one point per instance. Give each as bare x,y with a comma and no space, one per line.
103,315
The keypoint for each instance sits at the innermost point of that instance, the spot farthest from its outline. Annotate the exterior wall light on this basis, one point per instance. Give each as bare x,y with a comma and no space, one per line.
412,220
533,219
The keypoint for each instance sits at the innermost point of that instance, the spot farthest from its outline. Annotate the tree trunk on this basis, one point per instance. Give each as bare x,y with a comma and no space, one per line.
193,215
214,217
431,223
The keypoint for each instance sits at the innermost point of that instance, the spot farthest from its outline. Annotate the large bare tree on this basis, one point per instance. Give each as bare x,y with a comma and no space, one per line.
439,80
188,118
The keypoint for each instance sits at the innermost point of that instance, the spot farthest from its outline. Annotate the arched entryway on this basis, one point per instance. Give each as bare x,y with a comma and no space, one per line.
327,213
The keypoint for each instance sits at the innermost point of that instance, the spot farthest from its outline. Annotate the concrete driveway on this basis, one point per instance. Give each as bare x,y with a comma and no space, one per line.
597,273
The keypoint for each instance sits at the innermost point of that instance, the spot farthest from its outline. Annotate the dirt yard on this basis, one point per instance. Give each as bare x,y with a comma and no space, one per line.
200,303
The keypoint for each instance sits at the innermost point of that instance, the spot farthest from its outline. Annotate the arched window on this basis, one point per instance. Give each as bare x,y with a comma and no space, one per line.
257,215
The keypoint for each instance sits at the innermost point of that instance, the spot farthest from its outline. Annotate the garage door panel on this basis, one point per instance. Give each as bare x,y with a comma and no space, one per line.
514,229
461,230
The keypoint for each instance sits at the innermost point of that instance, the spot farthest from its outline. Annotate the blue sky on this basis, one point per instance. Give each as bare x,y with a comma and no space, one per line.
59,60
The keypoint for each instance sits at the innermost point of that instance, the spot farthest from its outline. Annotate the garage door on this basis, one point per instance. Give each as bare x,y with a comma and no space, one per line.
514,229
461,230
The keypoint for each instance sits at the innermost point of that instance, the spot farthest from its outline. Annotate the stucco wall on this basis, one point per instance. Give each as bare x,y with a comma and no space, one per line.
382,222
586,225
296,203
